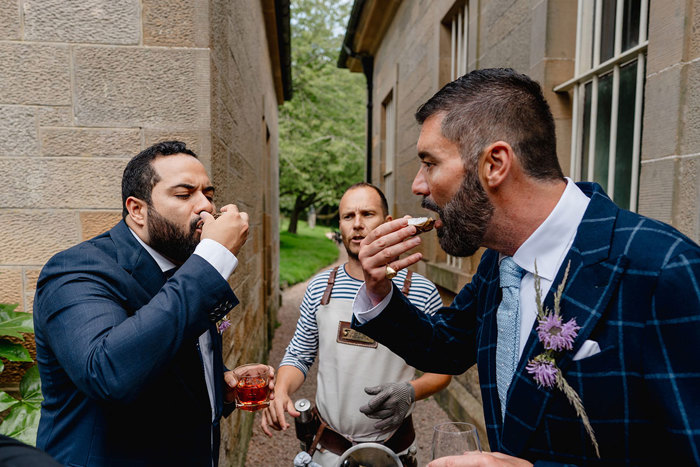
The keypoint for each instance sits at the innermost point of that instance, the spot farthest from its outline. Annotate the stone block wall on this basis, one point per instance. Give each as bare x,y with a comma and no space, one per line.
87,84
669,185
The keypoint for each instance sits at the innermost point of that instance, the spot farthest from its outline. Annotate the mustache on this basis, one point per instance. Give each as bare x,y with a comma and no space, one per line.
430,205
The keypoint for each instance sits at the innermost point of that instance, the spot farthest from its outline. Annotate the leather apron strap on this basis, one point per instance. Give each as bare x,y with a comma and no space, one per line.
329,288
407,283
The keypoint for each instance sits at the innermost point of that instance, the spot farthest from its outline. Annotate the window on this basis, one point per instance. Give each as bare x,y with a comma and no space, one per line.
459,32
457,24
608,87
388,135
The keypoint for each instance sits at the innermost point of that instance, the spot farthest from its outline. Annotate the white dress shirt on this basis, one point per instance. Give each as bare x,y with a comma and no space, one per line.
225,263
561,225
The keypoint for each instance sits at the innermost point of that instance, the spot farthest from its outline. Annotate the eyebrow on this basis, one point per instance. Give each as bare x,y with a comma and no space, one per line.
187,186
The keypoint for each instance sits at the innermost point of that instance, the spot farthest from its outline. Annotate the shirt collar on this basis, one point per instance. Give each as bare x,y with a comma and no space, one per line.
163,263
553,238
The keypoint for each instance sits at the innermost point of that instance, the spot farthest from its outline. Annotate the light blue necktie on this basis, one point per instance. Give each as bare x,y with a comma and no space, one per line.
508,320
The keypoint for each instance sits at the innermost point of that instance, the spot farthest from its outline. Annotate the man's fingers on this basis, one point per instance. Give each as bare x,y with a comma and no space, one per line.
380,414
399,240
230,208
385,229
291,410
206,216
405,262
375,266
265,423
230,378
377,402
280,421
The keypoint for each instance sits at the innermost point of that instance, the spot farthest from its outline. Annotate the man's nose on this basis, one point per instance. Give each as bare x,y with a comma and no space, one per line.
203,204
357,222
420,186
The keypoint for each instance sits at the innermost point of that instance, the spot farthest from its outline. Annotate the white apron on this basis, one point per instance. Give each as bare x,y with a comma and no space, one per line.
348,362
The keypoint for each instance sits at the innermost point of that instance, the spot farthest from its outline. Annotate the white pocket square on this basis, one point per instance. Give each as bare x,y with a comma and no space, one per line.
588,349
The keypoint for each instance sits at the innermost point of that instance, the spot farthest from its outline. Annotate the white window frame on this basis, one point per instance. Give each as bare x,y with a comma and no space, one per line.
459,52
389,153
459,40
584,75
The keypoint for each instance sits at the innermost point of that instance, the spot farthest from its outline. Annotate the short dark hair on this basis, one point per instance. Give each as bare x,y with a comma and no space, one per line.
139,176
494,104
385,205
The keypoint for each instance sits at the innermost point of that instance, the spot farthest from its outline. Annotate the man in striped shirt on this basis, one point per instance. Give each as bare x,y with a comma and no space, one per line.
365,392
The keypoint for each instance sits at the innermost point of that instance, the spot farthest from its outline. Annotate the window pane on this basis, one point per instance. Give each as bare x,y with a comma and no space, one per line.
585,146
602,130
625,135
607,30
630,24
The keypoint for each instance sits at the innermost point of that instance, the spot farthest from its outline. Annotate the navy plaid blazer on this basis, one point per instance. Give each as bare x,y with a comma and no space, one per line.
634,288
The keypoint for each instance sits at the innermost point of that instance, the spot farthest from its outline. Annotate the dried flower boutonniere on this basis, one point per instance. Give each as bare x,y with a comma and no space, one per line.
556,336
223,324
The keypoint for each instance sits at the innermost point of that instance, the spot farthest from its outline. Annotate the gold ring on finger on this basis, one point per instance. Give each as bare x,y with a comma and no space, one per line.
390,272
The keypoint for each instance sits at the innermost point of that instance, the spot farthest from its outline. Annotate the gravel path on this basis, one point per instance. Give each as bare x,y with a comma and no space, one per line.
279,451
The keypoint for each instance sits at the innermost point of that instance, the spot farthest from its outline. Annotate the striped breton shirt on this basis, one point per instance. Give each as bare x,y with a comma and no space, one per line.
303,348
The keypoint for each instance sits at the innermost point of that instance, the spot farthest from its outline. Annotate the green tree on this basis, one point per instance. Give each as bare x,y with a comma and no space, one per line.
322,128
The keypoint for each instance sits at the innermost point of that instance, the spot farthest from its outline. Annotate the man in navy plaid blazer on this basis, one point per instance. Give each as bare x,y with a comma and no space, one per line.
489,169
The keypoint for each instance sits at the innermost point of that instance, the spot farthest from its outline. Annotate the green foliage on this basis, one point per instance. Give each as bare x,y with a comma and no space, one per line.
322,128
304,253
22,420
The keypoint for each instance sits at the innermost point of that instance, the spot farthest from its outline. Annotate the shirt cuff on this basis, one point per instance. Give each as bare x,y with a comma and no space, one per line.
218,256
362,305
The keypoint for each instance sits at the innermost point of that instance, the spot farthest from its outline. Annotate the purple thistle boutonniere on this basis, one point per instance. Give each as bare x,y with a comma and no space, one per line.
556,336
223,324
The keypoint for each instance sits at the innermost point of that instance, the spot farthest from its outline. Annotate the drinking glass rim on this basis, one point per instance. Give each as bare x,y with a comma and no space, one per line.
264,369
466,425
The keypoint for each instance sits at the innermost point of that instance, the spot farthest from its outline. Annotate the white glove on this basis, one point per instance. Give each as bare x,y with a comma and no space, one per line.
391,403
303,459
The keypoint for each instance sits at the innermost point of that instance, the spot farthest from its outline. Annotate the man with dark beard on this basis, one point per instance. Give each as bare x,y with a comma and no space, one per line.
128,346
621,302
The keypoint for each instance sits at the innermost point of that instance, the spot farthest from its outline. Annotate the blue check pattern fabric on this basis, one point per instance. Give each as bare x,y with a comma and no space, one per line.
508,319
634,288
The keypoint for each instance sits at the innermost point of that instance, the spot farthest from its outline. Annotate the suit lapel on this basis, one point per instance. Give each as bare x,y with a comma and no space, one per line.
136,261
593,278
186,365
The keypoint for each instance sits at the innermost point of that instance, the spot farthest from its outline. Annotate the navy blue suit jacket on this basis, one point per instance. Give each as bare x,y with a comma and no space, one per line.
122,378
633,287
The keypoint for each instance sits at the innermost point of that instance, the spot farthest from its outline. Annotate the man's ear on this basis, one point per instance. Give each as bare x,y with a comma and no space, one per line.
495,164
388,218
138,210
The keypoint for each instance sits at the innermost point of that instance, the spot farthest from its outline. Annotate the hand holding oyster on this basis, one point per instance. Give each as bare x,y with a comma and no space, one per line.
422,224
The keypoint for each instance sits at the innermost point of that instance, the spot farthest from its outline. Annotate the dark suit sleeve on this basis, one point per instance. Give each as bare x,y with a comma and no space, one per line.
111,352
14,453
671,349
444,342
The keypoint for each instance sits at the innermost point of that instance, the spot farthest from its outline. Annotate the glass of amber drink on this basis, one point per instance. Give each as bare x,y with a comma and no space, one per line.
252,390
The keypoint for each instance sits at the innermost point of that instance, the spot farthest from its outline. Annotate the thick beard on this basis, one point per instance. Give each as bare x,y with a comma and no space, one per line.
465,218
170,240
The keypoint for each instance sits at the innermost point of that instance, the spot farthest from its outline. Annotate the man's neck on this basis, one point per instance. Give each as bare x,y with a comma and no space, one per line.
522,213
354,269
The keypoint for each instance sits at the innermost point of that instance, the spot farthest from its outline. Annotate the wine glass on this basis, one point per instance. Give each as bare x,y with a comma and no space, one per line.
454,438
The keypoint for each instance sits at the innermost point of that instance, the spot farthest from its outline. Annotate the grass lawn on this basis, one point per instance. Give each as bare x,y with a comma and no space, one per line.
304,253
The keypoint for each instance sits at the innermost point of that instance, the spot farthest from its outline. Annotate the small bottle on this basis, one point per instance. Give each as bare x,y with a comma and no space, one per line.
304,424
